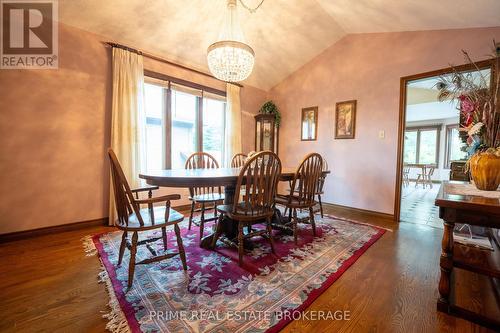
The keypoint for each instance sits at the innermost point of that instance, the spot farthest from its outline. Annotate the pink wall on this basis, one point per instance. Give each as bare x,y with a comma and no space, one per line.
55,127
368,68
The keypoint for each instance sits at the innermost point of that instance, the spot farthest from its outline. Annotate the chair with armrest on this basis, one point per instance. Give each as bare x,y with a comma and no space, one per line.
131,218
259,176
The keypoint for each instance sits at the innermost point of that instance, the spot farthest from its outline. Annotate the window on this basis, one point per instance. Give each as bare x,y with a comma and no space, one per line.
454,146
213,127
421,145
184,131
155,144
181,120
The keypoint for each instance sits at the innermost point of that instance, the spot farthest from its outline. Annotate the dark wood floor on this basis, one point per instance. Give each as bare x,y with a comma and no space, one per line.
48,284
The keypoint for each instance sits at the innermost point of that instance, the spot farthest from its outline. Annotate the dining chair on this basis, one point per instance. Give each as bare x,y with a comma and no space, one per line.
259,176
321,185
303,191
238,160
203,195
131,218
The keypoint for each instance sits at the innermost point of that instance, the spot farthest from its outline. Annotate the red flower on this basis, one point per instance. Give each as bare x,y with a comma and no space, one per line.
466,105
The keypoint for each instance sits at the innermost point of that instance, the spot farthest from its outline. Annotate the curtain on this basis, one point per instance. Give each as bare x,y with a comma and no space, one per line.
233,123
128,118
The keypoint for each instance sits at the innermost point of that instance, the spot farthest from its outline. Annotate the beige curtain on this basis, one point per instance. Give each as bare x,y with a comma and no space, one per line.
233,123
128,118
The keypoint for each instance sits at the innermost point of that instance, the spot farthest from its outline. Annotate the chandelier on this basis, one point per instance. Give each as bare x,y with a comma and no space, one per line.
230,59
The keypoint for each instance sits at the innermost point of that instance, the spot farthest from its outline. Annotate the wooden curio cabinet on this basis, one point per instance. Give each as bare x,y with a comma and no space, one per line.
266,133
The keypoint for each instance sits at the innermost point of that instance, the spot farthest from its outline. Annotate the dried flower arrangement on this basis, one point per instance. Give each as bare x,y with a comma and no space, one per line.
479,105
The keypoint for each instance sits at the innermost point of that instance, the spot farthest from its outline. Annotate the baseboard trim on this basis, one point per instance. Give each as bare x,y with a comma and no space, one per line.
360,210
18,235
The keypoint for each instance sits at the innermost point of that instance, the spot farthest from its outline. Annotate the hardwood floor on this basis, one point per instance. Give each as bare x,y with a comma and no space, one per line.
48,284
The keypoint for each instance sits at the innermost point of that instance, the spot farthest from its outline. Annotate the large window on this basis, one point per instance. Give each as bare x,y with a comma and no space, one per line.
181,120
421,145
454,146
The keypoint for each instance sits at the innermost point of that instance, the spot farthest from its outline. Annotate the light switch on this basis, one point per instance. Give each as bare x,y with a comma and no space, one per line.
381,134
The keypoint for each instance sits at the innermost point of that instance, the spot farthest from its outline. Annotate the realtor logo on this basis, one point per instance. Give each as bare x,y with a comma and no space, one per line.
29,38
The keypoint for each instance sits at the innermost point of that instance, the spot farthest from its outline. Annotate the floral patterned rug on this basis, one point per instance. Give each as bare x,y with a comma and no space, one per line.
215,294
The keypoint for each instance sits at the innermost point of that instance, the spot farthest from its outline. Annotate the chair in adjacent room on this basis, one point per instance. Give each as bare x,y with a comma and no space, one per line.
406,175
133,219
203,196
425,177
303,190
259,175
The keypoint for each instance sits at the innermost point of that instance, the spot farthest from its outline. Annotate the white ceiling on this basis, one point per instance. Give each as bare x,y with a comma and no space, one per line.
285,34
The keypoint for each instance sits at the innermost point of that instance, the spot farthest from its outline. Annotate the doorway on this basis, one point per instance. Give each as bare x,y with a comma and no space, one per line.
429,145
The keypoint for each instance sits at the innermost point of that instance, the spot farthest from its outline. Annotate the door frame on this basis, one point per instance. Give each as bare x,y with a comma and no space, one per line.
402,117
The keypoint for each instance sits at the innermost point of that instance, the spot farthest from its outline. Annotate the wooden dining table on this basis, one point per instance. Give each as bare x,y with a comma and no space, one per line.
226,177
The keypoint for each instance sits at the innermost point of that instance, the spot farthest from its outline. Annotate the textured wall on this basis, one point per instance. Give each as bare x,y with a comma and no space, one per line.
55,127
368,68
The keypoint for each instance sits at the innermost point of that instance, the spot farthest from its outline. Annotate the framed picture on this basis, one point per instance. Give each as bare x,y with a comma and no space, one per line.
345,119
309,124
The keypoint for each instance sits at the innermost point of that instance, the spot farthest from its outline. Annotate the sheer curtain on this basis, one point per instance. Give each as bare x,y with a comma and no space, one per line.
233,123
128,118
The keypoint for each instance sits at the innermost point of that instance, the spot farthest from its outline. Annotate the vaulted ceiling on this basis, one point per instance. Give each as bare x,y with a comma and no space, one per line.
285,34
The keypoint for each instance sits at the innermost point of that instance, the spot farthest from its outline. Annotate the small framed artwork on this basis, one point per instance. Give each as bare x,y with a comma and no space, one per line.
309,124
345,119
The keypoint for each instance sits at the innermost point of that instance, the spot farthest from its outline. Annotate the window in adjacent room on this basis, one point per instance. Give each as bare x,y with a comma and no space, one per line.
421,145
454,145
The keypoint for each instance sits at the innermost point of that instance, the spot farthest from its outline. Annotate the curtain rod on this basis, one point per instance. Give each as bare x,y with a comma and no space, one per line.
150,56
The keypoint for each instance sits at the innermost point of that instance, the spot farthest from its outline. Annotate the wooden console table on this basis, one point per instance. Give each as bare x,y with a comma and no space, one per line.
472,210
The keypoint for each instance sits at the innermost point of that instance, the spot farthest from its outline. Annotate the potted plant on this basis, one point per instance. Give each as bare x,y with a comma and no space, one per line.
270,108
479,105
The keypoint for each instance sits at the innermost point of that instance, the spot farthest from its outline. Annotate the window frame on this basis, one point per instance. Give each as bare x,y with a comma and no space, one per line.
448,144
153,77
424,128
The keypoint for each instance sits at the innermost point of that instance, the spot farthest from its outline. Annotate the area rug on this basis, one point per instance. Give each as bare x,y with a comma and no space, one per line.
217,295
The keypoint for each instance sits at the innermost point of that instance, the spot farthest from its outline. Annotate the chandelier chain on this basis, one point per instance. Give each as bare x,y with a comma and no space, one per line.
251,10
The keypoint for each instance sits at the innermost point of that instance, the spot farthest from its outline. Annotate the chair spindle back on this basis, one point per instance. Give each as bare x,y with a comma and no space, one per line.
238,160
124,198
257,184
202,161
306,180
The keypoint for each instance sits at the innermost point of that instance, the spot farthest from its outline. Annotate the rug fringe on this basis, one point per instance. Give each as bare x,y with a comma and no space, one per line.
358,222
89,246
117,322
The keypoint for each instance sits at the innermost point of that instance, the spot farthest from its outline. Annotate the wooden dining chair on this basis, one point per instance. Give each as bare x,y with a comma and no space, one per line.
259,176
238,160
131,218
203,195
321,185
303,190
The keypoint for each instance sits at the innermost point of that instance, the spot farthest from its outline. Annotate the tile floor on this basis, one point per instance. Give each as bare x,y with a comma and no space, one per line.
417,205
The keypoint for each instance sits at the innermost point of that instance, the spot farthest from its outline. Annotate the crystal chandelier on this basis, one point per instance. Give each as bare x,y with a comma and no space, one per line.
230,59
